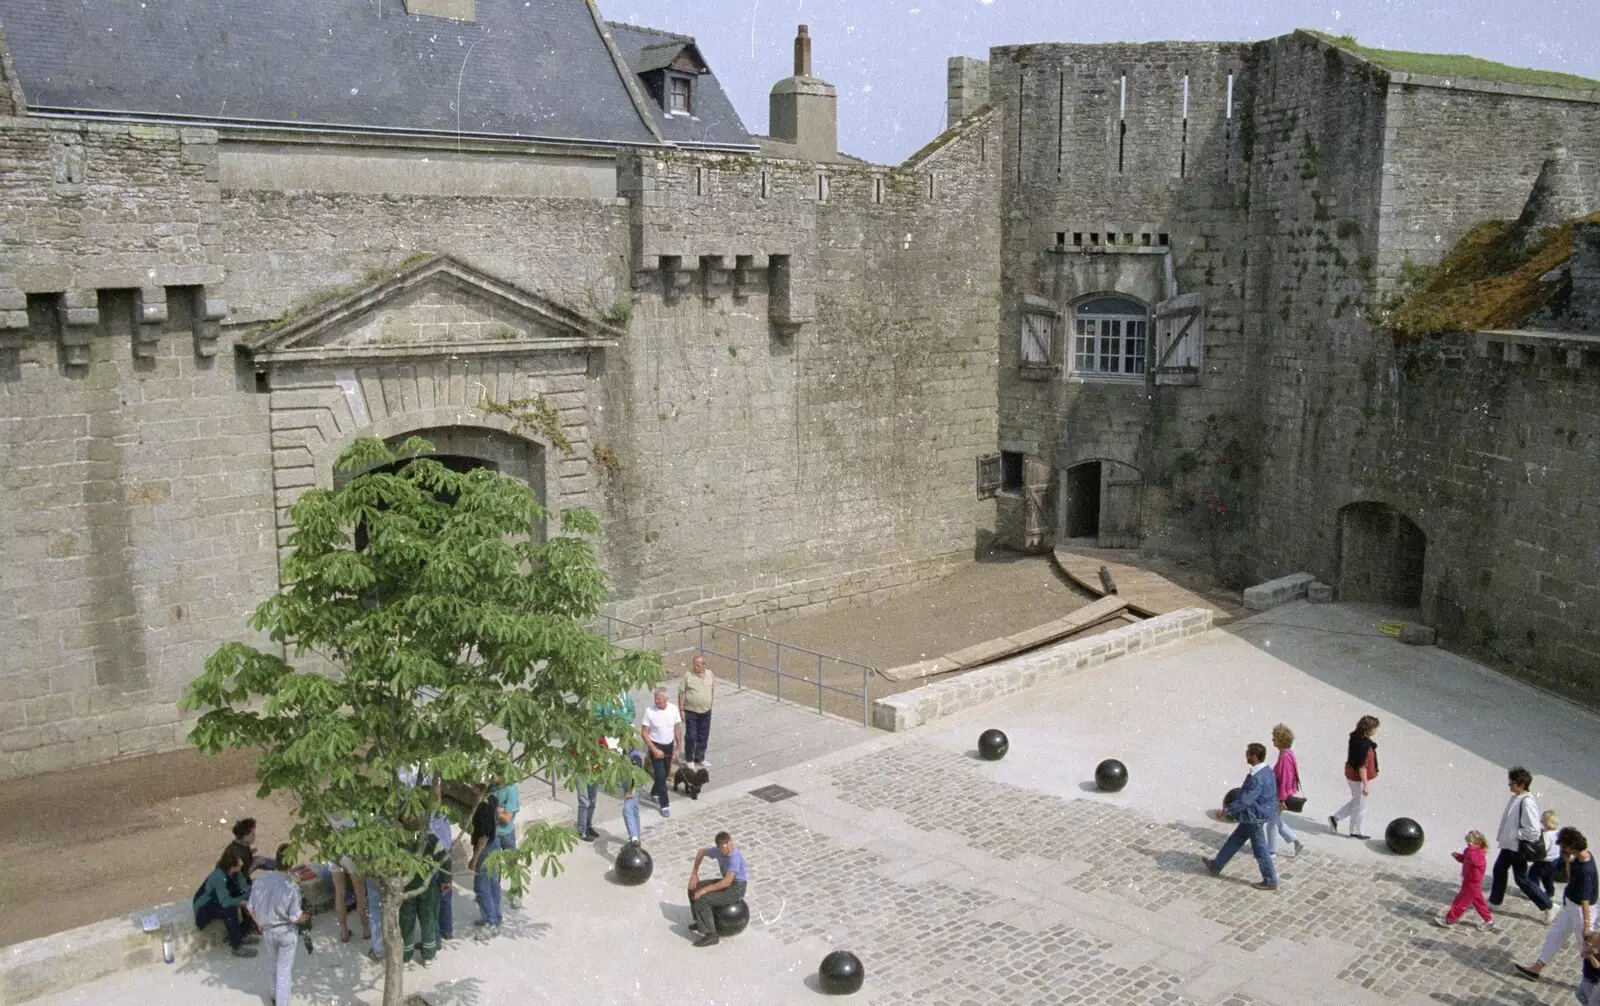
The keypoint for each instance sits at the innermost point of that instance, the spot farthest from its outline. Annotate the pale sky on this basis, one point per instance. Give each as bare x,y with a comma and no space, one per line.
887,57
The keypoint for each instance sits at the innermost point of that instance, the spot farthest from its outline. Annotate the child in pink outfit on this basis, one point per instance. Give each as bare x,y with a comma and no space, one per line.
1473,866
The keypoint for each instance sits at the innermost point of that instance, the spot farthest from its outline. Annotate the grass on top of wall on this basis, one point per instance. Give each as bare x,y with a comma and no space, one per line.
1487,282
1437,64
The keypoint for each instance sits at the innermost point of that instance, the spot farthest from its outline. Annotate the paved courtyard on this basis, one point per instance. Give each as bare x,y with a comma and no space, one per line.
959,881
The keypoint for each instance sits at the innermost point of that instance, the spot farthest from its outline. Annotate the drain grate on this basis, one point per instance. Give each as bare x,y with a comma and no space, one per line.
773,793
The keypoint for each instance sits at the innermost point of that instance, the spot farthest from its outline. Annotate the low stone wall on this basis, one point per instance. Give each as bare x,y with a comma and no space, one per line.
66,960
930,702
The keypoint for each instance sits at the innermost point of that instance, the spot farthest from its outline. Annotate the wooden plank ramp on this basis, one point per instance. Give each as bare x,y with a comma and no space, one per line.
1090,615
1146,593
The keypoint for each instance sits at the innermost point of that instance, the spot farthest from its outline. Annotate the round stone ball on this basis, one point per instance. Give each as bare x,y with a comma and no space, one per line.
841,973
1110,776
993,745
634,865
1227,801
731,919
1403,836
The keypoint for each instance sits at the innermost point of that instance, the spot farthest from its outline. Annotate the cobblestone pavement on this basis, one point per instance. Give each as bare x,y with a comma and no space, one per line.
1383,913
928,942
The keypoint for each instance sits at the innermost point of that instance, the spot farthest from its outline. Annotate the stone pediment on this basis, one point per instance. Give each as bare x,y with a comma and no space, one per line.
436,307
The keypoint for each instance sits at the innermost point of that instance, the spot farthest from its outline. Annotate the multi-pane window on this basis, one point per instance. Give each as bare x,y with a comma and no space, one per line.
1109,335
678,94
1037,331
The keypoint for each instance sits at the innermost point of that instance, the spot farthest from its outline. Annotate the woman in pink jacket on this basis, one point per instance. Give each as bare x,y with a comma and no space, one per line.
1288,776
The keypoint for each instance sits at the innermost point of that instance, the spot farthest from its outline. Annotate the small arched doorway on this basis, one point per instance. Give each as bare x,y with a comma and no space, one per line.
1100,499
1381,555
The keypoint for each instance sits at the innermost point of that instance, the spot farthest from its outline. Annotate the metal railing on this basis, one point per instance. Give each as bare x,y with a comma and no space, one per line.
743,657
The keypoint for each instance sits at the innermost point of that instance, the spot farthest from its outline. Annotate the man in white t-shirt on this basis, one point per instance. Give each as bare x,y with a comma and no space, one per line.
662,730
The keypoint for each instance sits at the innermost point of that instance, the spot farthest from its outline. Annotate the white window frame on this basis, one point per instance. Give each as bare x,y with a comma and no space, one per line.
673,83
1109,345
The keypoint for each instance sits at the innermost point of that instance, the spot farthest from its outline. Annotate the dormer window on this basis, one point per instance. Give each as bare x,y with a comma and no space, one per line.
680,99
668,70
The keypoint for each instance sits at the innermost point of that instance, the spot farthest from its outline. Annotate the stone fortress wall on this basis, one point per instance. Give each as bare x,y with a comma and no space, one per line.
788,425
801,358
1348,179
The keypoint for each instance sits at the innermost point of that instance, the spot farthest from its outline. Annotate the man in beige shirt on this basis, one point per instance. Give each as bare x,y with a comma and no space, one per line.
694,698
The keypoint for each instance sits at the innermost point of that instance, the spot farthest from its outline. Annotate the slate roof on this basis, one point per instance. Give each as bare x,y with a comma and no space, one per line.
537,69
714,123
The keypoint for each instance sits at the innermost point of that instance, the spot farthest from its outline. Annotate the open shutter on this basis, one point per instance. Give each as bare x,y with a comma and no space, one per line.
1180,339
988,475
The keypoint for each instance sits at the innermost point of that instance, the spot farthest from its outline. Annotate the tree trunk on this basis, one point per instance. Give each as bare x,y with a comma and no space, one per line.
394,960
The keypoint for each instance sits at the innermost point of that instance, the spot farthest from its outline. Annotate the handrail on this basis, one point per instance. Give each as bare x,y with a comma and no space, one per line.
740,660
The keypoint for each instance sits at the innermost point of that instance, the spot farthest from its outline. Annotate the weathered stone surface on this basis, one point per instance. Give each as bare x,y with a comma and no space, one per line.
1413,634
1275,592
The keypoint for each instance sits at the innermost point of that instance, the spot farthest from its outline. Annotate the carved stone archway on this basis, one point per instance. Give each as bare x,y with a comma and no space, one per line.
426,349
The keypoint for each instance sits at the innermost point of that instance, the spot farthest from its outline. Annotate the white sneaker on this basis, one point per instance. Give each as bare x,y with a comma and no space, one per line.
1550,915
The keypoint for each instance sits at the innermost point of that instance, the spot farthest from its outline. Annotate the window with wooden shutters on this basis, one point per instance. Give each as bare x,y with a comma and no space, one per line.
988,475
1038,330
1180,339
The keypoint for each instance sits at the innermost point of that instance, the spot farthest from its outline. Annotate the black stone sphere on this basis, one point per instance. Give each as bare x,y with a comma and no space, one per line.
1404,836
731,919
1227,801
992,745
634,865
841,973
1110,776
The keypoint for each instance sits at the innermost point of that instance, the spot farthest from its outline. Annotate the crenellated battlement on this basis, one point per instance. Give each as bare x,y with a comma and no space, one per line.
106,235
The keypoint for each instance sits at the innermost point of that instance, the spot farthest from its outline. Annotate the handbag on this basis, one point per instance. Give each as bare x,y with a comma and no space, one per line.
1295,804
1532,851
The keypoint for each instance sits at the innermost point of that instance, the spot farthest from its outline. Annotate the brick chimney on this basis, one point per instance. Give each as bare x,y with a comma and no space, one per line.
803,111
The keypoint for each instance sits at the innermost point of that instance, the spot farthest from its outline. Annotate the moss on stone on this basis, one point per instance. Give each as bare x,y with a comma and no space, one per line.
1437,64
1486,281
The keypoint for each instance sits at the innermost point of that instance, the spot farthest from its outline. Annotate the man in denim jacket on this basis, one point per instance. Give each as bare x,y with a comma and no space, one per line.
1254,809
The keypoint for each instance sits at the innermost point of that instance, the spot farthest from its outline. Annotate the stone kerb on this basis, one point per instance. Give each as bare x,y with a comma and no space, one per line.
76,957
930,702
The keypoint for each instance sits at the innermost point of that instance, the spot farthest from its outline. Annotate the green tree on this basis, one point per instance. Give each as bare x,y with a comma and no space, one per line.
454,643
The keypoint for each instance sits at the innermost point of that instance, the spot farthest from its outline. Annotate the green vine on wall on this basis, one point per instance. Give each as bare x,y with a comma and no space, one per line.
531,415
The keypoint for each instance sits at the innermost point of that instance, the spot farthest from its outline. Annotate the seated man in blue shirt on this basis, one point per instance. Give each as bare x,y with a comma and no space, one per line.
704,897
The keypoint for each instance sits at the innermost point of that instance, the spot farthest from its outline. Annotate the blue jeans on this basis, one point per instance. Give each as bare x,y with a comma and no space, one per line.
486,883
1279,828
211,911
281,943
1255,832
587,791
630,812
661,768
696,733
375,915
447,918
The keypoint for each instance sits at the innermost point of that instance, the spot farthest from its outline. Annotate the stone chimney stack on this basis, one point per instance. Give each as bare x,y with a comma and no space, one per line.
968,88
804,111
802,53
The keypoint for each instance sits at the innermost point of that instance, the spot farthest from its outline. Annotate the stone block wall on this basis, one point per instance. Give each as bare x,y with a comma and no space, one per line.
1490,445
1457,153
138,495
1125,171
134,470
807,381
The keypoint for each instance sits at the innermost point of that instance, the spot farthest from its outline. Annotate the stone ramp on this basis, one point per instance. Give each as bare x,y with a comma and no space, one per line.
1146,592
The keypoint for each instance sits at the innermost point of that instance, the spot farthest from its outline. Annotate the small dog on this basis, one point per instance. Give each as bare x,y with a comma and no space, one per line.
690,781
